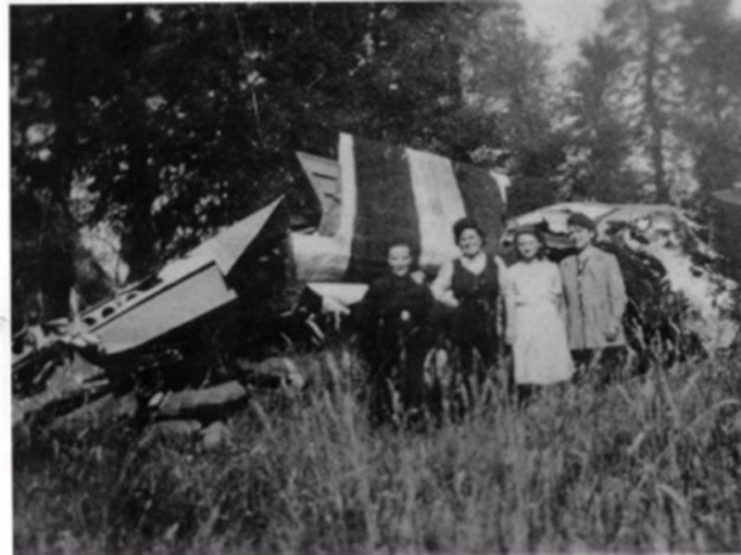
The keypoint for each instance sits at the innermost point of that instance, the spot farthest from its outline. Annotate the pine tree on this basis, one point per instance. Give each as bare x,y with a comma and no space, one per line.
711,72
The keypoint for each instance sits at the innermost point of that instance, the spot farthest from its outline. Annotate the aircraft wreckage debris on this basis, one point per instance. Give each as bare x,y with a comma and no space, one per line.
199,402
159,330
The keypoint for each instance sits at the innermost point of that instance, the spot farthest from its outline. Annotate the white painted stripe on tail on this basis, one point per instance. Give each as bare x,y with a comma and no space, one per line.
322,258
439,205
348,202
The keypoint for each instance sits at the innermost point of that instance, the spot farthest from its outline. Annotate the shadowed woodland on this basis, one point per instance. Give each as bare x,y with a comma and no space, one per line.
138,129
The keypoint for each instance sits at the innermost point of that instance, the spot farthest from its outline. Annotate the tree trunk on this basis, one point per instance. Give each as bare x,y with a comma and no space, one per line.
651,101
58,237
139,243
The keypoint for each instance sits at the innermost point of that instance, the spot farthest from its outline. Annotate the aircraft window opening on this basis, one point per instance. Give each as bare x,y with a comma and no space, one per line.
107,311
148,283
90,321
325,175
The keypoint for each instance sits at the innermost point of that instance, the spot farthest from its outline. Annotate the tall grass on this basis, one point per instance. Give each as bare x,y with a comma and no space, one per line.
650,463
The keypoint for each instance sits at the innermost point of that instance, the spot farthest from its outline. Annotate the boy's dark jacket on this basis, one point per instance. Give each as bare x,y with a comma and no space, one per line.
382,310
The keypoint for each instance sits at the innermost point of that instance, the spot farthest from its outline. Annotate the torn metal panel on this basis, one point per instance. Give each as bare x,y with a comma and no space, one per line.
184,290
324,177
228,246
202,282
181,301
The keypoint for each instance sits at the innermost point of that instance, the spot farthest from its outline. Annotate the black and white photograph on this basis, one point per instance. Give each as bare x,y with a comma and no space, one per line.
373,277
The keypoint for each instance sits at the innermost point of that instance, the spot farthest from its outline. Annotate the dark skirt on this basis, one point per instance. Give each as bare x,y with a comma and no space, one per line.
474,328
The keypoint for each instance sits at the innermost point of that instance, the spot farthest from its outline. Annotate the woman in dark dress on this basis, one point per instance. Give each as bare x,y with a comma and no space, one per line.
470,285
394,317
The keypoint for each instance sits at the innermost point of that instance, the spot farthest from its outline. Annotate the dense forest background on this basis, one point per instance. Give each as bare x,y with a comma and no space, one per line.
137,129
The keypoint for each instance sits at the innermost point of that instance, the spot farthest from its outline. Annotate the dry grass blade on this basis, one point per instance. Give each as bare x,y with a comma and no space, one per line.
576,468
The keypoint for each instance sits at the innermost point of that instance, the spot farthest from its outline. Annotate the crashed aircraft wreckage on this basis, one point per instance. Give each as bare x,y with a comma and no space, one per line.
374,191
371,193
184,290
240,261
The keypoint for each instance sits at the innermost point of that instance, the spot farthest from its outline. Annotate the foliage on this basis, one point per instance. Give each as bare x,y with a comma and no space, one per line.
183,118
653,104
650,463
599,144
158,124
712,116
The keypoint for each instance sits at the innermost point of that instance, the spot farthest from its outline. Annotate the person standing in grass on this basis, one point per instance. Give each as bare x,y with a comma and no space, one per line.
535,327
394,315
470,285
594,293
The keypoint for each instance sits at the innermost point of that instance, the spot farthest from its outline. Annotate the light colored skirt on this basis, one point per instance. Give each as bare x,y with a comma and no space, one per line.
541,349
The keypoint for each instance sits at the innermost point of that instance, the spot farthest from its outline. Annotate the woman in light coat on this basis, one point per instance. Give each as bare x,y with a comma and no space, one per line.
535,327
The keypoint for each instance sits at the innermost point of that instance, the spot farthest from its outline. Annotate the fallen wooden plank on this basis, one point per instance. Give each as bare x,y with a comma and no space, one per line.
71,384
200,401
170,430
106,409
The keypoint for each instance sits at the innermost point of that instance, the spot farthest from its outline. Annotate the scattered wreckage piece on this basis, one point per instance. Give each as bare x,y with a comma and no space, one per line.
203,403
184,290
669,270
202,414
103,411
39,350
72,382
78,400
216,400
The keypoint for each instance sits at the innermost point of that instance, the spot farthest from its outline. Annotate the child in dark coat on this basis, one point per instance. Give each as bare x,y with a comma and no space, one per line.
395,336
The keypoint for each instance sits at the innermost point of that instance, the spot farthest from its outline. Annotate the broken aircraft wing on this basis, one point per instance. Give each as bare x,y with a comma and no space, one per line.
183,291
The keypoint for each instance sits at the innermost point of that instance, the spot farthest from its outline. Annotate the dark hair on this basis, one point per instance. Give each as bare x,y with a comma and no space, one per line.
403,243
535,232
577,219
466,223
399,243
413,254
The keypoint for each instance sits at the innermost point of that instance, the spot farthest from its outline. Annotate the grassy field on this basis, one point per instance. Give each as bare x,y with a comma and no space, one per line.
649,463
